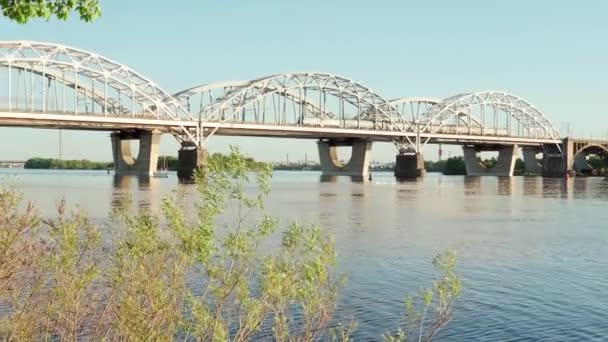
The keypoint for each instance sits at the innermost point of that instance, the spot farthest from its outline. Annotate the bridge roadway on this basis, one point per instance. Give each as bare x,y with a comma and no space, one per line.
47,85
336,136
571,154
457,136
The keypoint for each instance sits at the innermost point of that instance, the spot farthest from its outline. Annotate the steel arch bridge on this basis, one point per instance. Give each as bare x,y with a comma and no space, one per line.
311,105
471,110
49,85
52,85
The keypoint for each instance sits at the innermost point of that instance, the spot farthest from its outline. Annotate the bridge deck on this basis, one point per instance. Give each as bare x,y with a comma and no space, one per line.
109,123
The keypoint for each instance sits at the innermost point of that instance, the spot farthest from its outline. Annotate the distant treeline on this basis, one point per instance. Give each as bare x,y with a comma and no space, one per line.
450,166
456,166
296,167
57,164
83,164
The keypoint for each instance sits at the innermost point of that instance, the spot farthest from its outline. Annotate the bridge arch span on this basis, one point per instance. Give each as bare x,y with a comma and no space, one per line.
489,113
52,78
592,148
315,99
582,150
412,107
197,99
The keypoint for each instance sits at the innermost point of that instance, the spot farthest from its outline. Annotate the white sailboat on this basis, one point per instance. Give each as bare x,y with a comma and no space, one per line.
164,170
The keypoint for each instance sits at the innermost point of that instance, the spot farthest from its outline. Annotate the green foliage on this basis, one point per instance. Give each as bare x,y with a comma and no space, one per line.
434,166
214,267
520,167
141,290
146,280
489,163
221,161
70,267
57,164
171,161
431,309
455,166
450,166
298,277
19,255
47,269
296,167
597,162
23,10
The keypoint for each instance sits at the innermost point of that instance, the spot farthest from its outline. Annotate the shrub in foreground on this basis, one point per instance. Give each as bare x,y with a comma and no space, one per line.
212,266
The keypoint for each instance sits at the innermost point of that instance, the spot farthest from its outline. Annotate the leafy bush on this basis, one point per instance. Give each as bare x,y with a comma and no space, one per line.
213,266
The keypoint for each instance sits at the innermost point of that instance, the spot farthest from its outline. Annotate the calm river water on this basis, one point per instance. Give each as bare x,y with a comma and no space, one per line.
532,252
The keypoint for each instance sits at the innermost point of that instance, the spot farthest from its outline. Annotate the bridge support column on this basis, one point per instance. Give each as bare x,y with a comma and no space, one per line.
190,159
532,164
147,159
505,163
358,166
558,163
409,165
554,164
569,153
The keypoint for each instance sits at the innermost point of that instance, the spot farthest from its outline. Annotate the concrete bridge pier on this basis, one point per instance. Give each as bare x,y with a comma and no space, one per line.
531,164
145,163
357,166
190,159
409,165
505,163
553,162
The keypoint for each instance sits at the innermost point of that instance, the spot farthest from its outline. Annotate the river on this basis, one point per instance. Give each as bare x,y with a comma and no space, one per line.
532,251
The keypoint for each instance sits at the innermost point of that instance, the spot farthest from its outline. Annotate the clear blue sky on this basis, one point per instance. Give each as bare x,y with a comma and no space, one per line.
553,53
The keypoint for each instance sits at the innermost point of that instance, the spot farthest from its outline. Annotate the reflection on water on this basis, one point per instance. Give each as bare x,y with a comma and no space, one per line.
335,179
472,185
125,182
557,187
408,179
147,192
533,251
530,185
505,186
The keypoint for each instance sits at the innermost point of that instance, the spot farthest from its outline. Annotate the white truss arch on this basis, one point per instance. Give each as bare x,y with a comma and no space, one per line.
417,99
297,87
205,94
408,107
489,113
412,107
226,85
415,113
100,86
96,95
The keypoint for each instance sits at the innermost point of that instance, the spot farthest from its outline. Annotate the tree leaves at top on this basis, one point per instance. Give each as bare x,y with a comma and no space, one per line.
23,10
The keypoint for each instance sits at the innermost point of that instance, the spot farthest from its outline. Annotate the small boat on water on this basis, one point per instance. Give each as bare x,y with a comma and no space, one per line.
164,170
